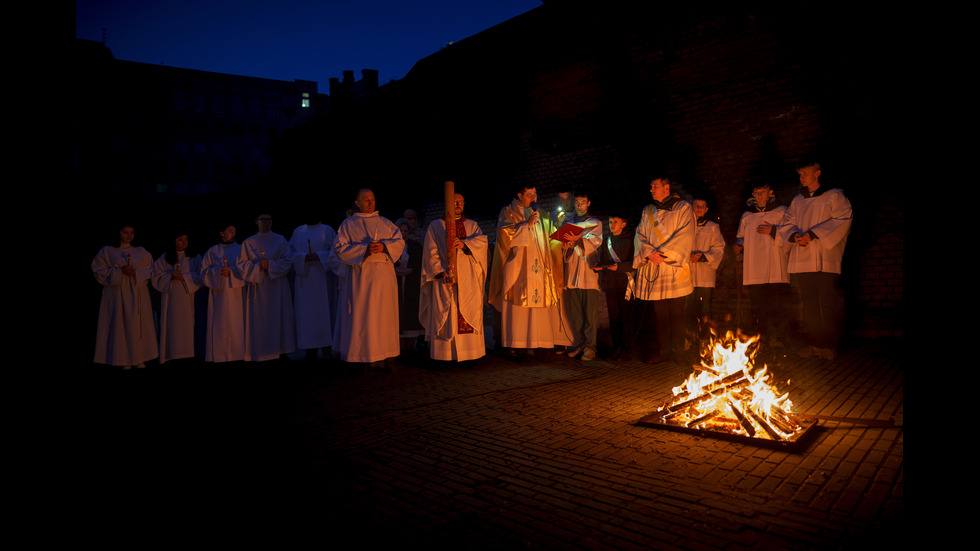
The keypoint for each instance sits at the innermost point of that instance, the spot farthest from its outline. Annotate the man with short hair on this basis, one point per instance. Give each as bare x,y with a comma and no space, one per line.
580,298
369,245
526,277
451,305
764,272
816,226
264,261
663,243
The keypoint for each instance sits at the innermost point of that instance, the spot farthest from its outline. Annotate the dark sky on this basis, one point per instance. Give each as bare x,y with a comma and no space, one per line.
299,39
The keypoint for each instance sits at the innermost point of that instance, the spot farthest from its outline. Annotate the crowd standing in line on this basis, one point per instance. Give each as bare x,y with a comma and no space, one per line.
544,274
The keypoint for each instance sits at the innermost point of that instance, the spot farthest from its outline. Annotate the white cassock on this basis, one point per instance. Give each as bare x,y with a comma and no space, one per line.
311,290
225,339
669,230
177,305
526,280
765,257
828,215
269,322
126,334
443,308
367,316
708,241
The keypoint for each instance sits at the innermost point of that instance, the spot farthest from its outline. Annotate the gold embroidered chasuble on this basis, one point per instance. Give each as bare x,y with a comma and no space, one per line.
527,267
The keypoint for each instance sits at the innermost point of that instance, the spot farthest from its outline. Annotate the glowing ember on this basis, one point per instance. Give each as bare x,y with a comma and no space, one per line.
727,393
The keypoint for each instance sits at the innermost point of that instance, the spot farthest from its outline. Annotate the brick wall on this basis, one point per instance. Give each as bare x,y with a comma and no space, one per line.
600,98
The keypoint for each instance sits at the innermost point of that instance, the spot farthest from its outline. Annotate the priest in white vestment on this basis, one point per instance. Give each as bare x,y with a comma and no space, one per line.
225,338
264,262
126,335
451,308
310,246
177,277
526,277
368,244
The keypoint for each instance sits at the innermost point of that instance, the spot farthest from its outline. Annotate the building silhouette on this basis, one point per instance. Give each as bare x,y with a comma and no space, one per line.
144,130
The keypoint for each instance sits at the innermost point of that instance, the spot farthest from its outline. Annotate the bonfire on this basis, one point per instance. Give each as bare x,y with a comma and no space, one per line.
728,394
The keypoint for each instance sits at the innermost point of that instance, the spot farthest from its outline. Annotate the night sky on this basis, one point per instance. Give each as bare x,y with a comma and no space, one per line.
301,39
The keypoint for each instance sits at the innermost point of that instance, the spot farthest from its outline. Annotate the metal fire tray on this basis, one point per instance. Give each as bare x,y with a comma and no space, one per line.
792,443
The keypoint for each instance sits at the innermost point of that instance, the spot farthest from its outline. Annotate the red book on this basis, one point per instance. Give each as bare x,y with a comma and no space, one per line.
569,232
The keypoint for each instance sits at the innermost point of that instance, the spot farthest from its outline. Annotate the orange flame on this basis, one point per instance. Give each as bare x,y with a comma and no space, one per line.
728,393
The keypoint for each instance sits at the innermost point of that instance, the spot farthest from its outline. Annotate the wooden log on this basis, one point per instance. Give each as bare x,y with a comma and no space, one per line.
746,424
765,426
712,394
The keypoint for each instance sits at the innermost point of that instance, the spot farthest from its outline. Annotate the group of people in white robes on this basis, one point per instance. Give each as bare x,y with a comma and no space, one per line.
344,294
677,252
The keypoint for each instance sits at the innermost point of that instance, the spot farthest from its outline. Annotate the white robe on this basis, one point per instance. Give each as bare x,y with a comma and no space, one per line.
709,242
126,334
765,258
672,233
269,321
579,260
441,304
526,281
225,339
828,216
311,289
367,314
177,305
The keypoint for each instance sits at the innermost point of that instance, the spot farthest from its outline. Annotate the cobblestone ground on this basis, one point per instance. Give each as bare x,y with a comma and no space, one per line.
544,454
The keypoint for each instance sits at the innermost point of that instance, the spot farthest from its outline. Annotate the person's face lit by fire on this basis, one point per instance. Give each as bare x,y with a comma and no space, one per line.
616,225
459,203
762,195
528,196
809,177
582,205
181,242
365,201
700,207
659,189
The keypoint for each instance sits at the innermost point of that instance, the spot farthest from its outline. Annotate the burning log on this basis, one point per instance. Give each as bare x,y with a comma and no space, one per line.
742,419
709,395
702,419
727,395
765,426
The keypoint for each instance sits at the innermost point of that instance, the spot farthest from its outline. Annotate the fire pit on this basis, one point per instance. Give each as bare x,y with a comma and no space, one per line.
728,397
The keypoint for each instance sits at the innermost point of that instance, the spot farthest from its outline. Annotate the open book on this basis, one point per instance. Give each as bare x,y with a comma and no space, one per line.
569,232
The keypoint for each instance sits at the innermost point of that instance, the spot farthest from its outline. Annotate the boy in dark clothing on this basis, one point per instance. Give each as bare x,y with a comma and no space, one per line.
615,267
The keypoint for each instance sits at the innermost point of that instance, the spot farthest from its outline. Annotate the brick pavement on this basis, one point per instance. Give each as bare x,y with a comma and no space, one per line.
536,455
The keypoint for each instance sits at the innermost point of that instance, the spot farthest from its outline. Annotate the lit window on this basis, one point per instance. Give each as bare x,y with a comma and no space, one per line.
306,103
